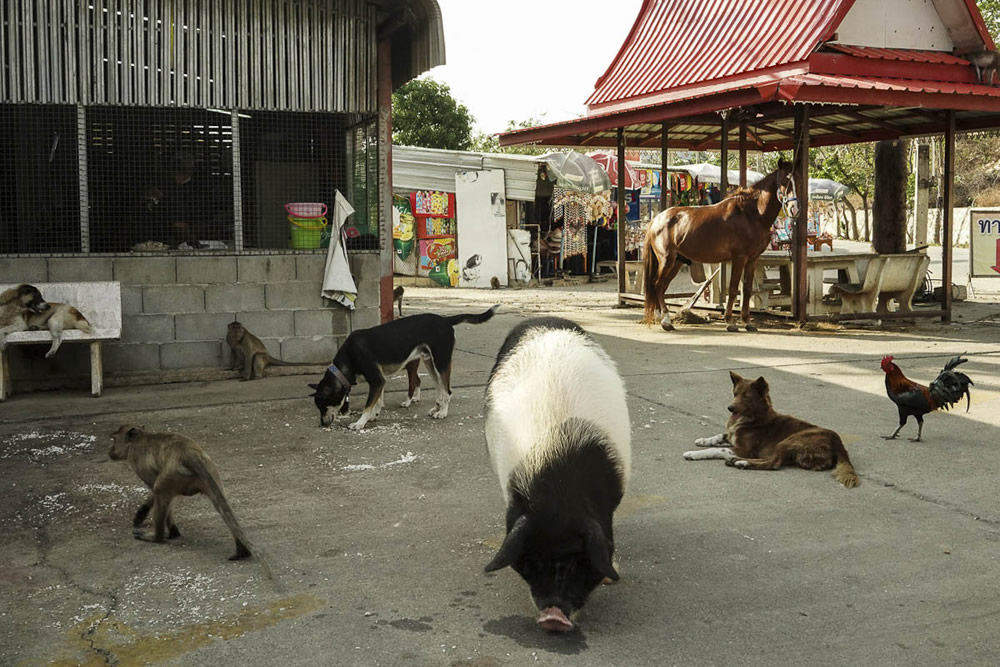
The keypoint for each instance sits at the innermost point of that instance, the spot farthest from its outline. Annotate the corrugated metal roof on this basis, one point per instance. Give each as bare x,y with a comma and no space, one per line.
679,42
903,55
895,85
415,168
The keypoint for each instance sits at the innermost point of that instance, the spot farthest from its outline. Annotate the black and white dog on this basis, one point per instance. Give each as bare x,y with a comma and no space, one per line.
380,351
558,434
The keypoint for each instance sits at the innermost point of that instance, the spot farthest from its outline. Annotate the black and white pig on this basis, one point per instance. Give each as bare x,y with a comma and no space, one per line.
557,430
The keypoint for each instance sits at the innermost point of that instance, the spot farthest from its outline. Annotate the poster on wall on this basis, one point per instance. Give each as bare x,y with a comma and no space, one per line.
482,227
984,243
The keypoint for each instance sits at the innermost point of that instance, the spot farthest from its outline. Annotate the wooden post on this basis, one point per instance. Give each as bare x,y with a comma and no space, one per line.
5,390
96,369
743,154
665,202
948,213
922,159
801,171
621,215
724,155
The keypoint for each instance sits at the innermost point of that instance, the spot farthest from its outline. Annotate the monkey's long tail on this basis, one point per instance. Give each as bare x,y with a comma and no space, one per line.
218,498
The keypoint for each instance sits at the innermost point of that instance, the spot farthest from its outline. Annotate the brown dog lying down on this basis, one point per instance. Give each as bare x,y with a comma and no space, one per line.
58,318
761,439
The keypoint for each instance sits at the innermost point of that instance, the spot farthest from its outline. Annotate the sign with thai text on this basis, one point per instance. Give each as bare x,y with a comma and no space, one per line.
984,243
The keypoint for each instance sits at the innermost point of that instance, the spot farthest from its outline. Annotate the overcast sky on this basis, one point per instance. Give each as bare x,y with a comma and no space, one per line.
529,58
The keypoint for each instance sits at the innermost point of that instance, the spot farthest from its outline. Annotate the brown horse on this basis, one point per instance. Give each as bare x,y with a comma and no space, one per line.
737,229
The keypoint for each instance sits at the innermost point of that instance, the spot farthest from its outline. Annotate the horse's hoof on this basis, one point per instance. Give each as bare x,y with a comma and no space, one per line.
667,326
751,328
732,328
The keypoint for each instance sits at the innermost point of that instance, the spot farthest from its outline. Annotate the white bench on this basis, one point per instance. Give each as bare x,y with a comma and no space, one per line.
886,277
99,302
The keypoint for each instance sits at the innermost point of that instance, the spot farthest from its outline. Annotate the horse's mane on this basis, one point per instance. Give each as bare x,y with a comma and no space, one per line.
752,193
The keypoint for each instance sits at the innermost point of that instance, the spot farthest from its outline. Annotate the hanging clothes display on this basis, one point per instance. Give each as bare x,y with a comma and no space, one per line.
573,210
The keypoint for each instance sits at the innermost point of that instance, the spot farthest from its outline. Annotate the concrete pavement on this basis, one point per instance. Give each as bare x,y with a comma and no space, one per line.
379,538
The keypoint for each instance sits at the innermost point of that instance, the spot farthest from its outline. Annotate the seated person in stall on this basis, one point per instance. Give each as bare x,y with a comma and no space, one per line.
182,207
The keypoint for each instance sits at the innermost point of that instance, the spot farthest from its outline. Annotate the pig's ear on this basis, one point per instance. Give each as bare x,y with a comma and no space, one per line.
313,386
512,547
598,552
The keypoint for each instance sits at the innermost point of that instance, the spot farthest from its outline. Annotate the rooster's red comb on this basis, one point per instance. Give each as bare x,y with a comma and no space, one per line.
886,362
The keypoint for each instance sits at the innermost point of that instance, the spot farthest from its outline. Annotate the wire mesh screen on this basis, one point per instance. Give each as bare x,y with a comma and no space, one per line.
290,160
39,179
117,179
159,179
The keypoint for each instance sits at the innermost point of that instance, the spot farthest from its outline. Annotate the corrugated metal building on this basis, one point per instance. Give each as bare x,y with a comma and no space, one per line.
415,168
155,142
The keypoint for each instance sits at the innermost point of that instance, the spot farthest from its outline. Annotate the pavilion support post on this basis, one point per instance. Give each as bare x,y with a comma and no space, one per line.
743,154
621,215
724,155
799,240
665,194
948,215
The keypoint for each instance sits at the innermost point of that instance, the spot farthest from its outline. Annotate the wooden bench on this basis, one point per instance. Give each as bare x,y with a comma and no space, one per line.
886,277
99,302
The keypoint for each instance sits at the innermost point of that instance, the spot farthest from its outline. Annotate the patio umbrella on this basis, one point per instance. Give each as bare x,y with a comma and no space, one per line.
710,173
825,189
576,171
609,162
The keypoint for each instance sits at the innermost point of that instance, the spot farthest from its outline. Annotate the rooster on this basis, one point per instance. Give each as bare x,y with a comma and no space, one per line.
917,400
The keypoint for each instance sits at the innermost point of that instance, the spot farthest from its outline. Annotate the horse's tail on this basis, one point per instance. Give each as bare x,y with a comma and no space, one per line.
650,269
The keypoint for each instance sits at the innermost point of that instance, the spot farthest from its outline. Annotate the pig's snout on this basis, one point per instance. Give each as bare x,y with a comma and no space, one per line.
554,620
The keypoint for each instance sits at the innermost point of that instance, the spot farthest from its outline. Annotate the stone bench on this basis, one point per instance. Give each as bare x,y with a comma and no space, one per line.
99,302
896,276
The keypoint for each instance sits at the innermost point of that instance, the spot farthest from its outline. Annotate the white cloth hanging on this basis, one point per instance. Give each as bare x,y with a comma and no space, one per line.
338,283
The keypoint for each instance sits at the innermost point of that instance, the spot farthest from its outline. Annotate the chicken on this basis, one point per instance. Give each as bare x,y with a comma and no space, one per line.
917,400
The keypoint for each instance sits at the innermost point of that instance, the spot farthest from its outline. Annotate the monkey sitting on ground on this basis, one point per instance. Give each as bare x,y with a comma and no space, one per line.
174,465
986,64
397,296
248,350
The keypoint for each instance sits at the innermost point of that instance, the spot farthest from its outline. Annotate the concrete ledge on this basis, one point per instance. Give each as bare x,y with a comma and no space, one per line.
80,270
266,269
206,270
145,270
24,270
310,267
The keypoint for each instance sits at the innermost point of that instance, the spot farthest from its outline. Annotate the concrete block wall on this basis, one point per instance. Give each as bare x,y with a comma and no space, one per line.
175,311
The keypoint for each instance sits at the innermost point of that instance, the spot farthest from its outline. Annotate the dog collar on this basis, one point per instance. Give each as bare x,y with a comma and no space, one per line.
340,376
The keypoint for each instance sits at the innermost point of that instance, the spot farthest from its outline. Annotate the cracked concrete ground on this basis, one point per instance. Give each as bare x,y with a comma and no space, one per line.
378,539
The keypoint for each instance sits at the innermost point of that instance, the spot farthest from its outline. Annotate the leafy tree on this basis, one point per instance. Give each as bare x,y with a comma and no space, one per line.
990,9
854,166
425,114
489,143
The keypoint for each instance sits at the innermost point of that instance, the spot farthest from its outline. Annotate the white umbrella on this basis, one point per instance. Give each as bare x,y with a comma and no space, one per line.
710,173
